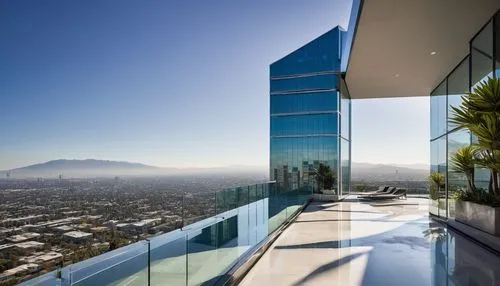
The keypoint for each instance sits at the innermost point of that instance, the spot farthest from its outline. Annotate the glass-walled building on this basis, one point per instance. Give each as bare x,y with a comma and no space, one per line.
310,117
483,61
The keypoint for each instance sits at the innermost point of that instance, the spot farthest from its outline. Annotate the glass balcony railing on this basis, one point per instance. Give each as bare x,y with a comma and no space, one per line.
218,229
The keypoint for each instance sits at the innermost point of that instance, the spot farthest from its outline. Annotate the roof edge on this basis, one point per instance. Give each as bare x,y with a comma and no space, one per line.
357,7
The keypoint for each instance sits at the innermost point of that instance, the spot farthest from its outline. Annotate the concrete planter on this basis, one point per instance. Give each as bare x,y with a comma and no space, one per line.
325,198
482,217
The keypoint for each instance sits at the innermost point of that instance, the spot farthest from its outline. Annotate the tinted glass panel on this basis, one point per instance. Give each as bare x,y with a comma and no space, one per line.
322,54
311,124
438,111
304,102
346,166
438,166
317,82
458,85
293,160
456,180
482,55
345,110
497,45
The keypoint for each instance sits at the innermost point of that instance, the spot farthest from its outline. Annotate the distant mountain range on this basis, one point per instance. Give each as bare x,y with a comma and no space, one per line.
384,172
102,168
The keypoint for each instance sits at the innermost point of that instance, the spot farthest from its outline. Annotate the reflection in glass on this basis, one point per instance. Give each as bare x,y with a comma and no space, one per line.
345,166
305,83
438,111
456,180
482,55
320,55
497,45
304,102
458,85
305,124
308,124
437,192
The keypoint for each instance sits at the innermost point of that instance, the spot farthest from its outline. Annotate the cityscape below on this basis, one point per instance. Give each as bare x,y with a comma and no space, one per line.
51,219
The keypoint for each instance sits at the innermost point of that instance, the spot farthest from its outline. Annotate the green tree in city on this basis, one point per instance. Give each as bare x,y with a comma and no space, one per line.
325,177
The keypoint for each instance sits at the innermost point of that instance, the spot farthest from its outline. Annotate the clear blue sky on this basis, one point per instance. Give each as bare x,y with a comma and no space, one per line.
166,83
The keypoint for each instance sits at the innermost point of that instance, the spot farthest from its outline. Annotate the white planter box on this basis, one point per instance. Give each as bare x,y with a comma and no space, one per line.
482,217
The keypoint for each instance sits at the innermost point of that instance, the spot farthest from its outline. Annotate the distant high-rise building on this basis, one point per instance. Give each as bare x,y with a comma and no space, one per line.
310,115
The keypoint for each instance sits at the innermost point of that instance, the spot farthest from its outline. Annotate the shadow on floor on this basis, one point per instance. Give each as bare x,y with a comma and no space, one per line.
328,267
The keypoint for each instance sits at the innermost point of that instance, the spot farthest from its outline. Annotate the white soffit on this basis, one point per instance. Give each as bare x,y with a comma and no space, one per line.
406,47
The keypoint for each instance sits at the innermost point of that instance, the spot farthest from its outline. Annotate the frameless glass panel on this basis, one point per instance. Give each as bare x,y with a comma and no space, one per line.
438,111
345,111
482,55
277,207
305,83
456,180
310,124
168,259
126,265
345,166
47,279
304,102
438,177
442,169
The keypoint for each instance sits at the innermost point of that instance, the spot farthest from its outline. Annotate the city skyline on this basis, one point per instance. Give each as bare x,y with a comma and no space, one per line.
118,86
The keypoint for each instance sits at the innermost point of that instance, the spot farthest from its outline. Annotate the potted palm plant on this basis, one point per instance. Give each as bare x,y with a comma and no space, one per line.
479,113
437,181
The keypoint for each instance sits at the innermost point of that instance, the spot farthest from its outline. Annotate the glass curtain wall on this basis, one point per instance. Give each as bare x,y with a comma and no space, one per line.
458,85
482,62
482,67
307,124
438,150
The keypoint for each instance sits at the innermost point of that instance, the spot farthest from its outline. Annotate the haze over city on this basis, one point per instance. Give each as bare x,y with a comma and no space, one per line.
76,87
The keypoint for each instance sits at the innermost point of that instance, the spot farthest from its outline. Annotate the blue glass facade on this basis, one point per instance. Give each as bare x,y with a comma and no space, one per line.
482,62
310,116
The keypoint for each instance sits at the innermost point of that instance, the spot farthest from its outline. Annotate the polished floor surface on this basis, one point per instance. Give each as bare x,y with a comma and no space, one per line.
387,243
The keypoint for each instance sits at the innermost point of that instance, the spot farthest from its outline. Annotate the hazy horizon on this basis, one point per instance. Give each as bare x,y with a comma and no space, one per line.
411,165
170,83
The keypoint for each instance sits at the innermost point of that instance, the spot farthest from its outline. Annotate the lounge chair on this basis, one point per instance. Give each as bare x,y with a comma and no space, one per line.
380,191
396,193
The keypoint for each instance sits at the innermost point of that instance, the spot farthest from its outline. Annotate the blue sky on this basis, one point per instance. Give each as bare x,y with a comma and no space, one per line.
168,83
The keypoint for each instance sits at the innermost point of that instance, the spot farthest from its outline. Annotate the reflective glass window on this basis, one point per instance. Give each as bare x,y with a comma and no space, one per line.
438,165
310,124
345,166
456,180
482,55
317,82
497,45
458,85
438,111
304,102
345,110
294,159
322,54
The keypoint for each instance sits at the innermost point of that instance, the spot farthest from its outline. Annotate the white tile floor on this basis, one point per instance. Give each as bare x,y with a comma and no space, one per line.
354,243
